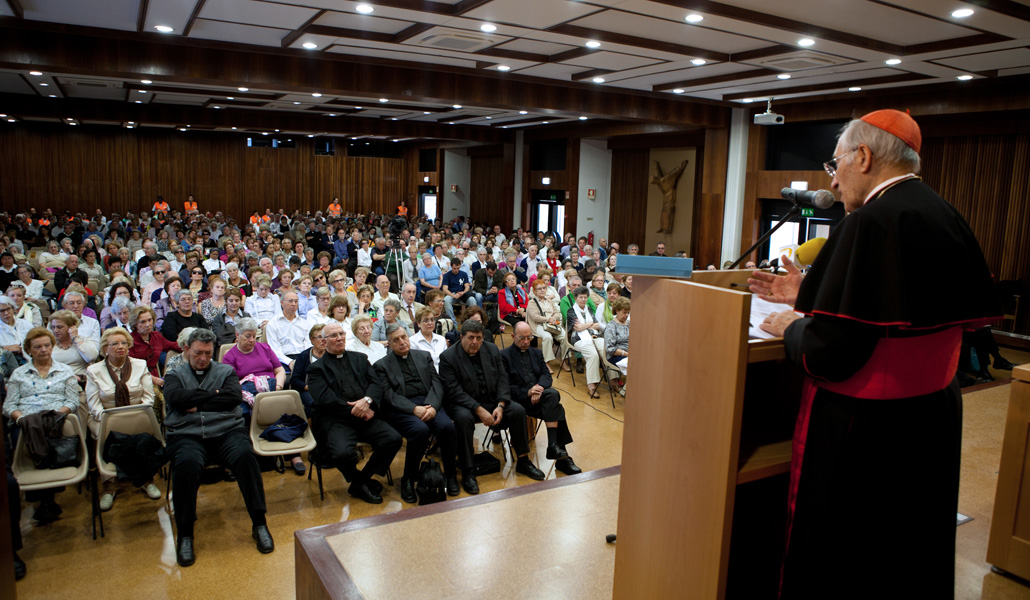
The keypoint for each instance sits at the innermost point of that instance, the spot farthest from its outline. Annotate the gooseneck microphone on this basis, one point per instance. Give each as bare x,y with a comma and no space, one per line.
818,198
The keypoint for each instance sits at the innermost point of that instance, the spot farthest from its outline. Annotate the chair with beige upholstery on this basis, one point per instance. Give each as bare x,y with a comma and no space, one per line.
139,418
30,478
268,408
223,349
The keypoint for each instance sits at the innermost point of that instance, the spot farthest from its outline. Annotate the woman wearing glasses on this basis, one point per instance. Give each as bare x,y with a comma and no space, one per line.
198,281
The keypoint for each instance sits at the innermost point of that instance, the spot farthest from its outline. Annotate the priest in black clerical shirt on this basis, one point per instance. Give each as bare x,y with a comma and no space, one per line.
530,382
477,390
413,405
348,399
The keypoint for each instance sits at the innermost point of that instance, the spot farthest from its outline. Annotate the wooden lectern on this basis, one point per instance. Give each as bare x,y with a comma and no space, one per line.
1009,545
706,445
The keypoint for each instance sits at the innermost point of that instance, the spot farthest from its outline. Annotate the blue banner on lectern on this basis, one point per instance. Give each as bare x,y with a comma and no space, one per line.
654,266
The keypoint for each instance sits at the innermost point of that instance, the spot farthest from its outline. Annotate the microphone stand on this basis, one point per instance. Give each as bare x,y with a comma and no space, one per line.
794,211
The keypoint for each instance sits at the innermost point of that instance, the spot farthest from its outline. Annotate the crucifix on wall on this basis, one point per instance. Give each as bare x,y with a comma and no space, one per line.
667,183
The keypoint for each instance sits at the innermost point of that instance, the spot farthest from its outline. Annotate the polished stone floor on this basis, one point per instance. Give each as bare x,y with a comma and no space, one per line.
137,559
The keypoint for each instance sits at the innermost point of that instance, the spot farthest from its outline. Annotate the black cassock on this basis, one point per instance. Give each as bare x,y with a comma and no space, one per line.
877,444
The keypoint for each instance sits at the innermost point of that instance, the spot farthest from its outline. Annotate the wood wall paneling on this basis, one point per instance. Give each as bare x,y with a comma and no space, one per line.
628,197
770,183
710,203
123,171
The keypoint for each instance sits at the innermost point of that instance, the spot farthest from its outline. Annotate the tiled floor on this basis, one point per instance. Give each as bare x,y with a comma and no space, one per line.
137,558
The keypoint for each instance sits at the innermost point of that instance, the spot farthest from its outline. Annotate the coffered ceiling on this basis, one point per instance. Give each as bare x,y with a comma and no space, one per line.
495,64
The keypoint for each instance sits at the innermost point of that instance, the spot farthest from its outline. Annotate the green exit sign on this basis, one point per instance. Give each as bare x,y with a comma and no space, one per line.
807,212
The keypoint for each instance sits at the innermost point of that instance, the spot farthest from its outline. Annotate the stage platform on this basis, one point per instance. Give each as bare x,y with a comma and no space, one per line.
543,540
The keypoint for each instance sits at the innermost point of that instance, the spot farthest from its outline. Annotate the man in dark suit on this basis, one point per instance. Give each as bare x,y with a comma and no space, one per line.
530,382
477,390
413,405
348,400
486,283
71,272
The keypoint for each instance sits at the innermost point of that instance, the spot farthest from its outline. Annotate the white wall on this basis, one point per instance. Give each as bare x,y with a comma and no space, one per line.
736,170
517,200
457,170
595,172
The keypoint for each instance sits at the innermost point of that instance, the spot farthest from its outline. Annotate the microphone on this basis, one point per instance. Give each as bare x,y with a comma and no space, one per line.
805,255
818,199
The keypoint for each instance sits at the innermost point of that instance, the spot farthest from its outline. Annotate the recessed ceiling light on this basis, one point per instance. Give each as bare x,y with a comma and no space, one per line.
364,9
393,118
216,107
964,77
311,135
234,129
145,81
139,102
678,91
183,129
70,123
748,100
783,76
694,18
488,27
229,98
164,28
893,61
488,118
53,95
141,91
598,80
243,89
854,89
35,73
451,123
128,126
12,120
503,68
3,116
426,112
593,44
277,131
504,126
357,108
384,100
310,45
523,112
697,62
962,13
264,133
546,122
806,42
456,106
44,85
582,118
332,114
316,95
295,103
132,122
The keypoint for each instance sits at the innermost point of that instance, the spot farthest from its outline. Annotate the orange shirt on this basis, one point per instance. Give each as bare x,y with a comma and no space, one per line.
190,206
265,219
335,210
160,207
254,219
402,211
44,222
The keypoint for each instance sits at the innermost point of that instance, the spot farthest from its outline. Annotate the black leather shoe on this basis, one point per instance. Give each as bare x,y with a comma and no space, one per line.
361,490
470,484
452,485
19,568
229,476
1003,365
408,491
375,485
566,466
556,452
299,468
263,537
184,552
527,468
47,512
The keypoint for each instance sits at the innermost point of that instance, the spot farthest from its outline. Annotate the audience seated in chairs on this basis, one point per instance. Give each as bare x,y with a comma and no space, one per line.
299,374
174,362
605,313
388,315
477,391
165,305
287,334
71,348
530,382
38,386
26,311
427,339
409,307
435,302
205,423
361,342
544,316
120,289
616,335
224,323
121,308
149,345
512,300
348,401
413,406
183,317
585,336
89,327
118,380
12,329
263,306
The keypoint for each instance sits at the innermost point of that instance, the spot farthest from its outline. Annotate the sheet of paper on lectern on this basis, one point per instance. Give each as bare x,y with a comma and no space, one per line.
760,309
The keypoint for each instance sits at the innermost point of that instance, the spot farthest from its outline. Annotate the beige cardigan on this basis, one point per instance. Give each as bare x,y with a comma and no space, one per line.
100,390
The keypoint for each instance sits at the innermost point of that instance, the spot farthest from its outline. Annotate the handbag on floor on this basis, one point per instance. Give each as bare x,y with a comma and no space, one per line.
431,483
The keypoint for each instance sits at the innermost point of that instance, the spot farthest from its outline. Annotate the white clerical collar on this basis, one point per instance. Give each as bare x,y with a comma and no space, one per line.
886,184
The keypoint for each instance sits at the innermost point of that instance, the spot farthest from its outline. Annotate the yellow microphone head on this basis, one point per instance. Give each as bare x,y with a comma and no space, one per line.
806,253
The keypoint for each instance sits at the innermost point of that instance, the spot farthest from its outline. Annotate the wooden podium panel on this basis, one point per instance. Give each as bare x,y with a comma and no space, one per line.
681,439
1009,545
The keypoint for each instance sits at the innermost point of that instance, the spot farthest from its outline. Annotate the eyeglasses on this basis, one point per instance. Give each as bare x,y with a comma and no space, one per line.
336,281
198,272
333,336
159,272
831,165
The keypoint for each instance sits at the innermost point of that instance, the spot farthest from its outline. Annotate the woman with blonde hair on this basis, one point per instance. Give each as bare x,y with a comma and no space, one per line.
544,316
118,380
